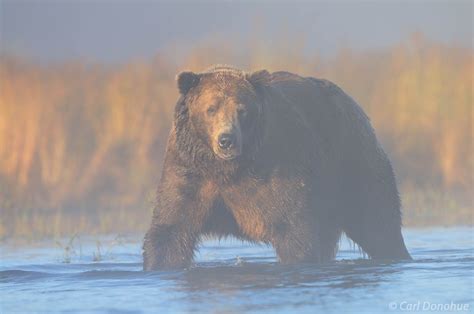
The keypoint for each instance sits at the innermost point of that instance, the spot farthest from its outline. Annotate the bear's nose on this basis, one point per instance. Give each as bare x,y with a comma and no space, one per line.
226,140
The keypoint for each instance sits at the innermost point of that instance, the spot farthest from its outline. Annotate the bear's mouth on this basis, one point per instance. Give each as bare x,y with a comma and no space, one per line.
228,145
227,155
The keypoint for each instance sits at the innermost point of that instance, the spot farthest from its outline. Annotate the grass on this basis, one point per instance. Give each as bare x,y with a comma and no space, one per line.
71,247
421,208
433,207
68,249
81,144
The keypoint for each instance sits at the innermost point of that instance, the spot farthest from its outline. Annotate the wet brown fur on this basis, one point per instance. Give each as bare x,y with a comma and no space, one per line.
311,168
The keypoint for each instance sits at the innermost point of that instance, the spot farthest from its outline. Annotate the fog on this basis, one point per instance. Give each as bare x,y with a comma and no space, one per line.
50,31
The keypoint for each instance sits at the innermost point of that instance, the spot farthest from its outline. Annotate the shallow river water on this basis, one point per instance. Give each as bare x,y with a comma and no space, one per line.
104,274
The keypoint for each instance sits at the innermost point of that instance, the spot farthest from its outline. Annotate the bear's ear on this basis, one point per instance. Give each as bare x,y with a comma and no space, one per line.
186,81
259,78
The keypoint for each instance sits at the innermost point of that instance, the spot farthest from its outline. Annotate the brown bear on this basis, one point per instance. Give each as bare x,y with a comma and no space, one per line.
276,158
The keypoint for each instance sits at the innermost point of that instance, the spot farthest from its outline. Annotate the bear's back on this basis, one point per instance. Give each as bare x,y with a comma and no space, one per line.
335,118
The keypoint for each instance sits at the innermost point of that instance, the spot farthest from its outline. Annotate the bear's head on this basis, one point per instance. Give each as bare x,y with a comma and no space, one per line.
222,109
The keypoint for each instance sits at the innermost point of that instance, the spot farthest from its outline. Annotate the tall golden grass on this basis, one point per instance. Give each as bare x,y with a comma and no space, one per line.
81,144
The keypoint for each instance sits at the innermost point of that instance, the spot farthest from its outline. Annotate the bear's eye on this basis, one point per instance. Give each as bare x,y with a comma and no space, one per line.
211,110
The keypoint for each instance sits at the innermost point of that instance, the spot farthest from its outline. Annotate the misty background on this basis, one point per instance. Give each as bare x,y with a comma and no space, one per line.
118,31
87,92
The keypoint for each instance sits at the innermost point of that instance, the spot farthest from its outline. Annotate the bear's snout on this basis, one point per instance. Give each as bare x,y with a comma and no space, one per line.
227,140
228,144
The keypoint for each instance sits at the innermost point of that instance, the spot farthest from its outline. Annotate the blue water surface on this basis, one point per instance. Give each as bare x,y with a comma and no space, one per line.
104,274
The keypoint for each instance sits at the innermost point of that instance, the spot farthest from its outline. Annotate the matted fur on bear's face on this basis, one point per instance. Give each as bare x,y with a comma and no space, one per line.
223,111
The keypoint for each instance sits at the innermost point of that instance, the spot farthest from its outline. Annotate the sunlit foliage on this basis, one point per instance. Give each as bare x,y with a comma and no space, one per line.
81,144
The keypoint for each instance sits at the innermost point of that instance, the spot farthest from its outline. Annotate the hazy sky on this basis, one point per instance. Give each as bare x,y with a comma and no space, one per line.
116,31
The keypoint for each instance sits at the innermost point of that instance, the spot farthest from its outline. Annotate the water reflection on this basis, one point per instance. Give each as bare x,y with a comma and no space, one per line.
262,276
221,282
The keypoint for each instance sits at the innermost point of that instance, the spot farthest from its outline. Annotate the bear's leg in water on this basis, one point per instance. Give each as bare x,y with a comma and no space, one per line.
181,212
376,228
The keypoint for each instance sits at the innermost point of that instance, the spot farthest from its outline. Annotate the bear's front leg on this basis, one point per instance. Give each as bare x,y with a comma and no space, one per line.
297,241
168,246
182,207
